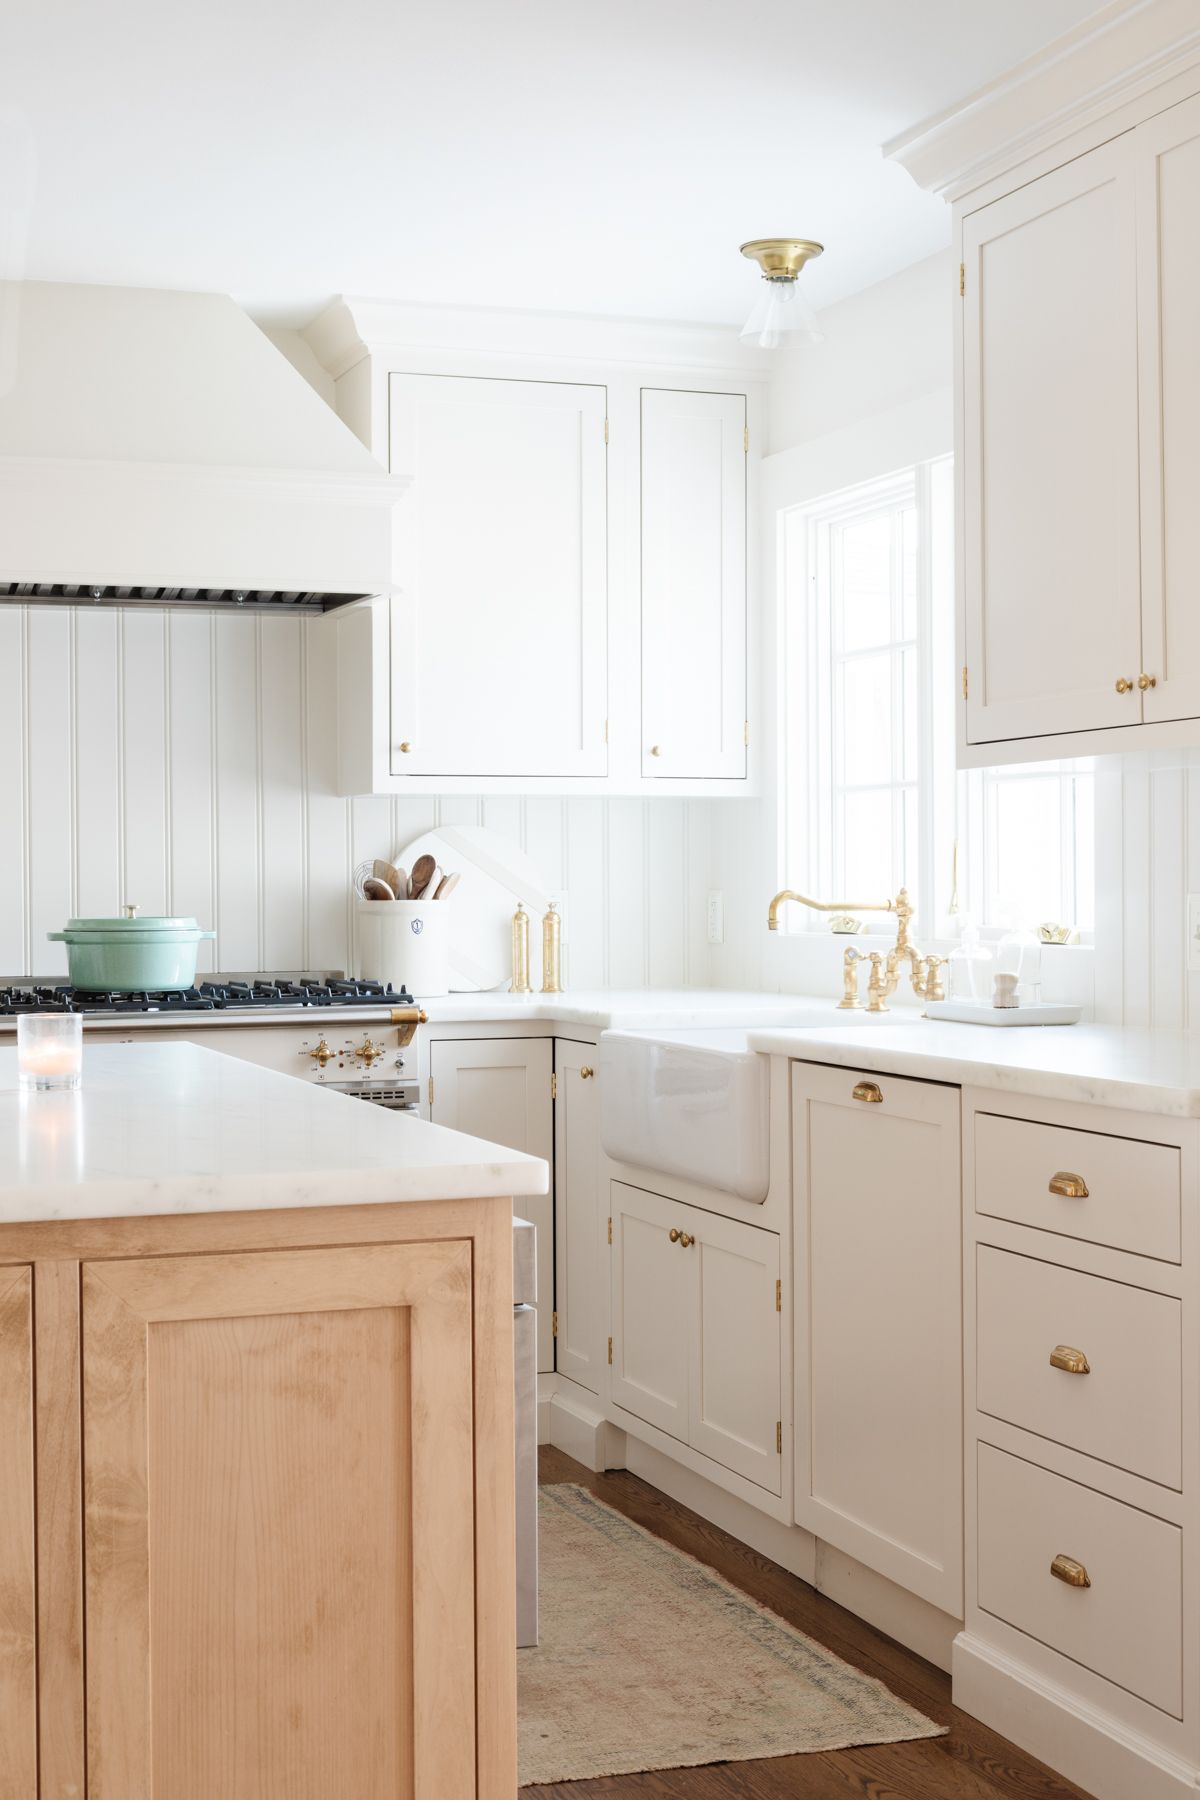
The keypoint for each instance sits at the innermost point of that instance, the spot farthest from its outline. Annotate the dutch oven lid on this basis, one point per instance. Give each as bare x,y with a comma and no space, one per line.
134,922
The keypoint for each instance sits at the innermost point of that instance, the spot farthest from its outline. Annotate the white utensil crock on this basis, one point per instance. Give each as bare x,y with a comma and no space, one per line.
403,942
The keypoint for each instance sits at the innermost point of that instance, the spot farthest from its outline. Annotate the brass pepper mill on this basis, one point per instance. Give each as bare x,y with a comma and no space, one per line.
552,950
520,952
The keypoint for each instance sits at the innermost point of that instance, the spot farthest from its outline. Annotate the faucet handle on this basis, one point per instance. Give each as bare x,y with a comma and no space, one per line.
934,986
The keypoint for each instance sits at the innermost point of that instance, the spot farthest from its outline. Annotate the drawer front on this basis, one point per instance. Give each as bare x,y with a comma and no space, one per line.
1131,1190
1125,1406
1128,1624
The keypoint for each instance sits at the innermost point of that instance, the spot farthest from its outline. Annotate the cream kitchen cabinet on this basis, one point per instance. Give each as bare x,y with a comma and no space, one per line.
696,1336
500,1089
574,565
878,1341
693,584
1080,452
579,1229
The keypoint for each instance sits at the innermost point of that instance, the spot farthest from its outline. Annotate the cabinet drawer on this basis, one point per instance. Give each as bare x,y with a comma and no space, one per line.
1127,1625
1126,1408
1130,1197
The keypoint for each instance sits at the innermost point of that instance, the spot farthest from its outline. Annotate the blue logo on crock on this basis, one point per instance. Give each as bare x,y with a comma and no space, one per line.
416,926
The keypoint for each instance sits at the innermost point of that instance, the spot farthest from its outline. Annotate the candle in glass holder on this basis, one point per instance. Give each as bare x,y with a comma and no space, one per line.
49,1049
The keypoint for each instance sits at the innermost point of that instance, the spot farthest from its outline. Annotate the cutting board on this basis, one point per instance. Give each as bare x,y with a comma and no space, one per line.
496,876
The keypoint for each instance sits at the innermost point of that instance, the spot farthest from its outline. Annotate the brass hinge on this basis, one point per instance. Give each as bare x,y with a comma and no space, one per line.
779,1296
746,439
962,279
606,731
610,1228
610,1353
746,732
431,1090
964,681
554,1087
553,1324
606,431
779,1437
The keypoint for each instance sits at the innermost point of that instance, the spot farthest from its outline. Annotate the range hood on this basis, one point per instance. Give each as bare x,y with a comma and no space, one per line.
156,449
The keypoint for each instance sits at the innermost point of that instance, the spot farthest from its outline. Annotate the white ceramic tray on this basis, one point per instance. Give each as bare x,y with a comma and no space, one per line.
982,1012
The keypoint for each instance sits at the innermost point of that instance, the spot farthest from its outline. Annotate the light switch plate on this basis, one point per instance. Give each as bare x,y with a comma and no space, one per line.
1193,933
716,916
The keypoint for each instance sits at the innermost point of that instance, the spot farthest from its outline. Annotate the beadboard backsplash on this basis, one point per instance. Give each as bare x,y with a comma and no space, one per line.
182,763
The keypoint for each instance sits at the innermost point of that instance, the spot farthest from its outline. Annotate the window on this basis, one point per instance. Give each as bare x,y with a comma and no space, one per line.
872,802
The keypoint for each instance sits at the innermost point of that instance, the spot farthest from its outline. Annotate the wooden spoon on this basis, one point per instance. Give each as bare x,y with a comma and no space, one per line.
374,889
446,886
423,871
427,892
386,871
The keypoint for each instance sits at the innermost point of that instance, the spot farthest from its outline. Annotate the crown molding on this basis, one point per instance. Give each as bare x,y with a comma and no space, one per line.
1115,59
350,329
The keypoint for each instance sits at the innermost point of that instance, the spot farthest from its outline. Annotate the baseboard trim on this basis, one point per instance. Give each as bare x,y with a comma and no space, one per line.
912,1621
787,1545
1091,1748
576,1425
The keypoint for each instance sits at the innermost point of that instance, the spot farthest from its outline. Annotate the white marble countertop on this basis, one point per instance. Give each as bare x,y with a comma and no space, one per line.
175,1128
1143,1070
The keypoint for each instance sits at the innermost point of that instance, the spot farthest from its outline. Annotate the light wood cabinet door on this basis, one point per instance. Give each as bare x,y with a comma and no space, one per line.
878,1331
18,1592
693,584
1050,503
278,1525
653,1307
500,1089
736,1378
499,633
1167,149
580,1236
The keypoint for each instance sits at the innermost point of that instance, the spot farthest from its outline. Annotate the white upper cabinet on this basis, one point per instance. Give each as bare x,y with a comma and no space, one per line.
1050,454
693,583
1080,448
1168,176
499,629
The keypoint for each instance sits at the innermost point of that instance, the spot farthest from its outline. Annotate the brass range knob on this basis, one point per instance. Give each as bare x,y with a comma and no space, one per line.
1124,685
322,1054
1147,681
368,1052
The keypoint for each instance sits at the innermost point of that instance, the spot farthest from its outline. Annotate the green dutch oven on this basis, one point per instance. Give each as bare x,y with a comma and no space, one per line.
131,954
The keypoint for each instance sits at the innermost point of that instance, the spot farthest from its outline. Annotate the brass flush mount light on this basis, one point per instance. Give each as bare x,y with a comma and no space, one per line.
779,311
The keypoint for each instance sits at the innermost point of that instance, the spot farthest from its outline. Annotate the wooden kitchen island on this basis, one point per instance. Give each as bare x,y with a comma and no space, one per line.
256,1441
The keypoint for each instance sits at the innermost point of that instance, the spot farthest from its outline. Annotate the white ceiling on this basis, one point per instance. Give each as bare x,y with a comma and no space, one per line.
603,156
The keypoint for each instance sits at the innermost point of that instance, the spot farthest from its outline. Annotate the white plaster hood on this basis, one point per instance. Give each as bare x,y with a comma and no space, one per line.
158,447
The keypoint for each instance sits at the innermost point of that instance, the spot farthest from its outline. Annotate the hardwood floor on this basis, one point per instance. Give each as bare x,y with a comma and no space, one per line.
971,1763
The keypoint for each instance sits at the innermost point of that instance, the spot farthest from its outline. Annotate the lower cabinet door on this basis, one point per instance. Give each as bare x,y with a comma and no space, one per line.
580,1254
652,1307
18,1594
735,1376
499,1089
278,1525
878,1333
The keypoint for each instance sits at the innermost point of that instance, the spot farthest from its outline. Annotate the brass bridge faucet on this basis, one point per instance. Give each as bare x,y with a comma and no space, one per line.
925,972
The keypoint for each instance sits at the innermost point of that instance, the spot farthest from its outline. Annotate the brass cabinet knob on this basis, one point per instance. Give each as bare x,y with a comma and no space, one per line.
1068,1186
1065,1568
1147,681
868,1091
686,1240
656,749
673,1235
405,748
322,1054
1124,685
586,1072
1072,1362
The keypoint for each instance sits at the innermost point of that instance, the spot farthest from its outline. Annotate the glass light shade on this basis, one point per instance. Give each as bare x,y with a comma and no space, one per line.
49,1050
777,313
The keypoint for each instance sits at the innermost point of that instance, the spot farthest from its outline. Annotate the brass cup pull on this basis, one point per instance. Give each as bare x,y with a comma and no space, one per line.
673,1235
1124,685
1065,1568
1073,1362
586,1072
1147,681
1068,1186
868,1091
686,1240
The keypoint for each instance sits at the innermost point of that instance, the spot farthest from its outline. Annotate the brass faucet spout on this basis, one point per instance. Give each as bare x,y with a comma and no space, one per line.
829,906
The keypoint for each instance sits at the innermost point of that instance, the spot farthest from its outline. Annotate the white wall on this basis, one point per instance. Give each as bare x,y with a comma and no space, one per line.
182,762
